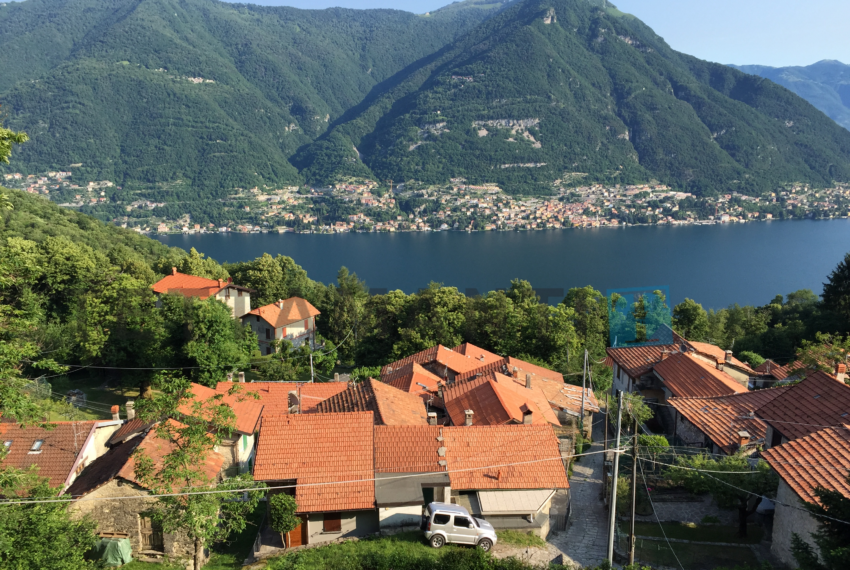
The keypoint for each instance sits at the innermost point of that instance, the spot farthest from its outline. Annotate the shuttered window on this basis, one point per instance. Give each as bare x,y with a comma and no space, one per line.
333,522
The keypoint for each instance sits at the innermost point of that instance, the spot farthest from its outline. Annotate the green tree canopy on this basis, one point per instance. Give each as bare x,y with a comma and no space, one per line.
691,321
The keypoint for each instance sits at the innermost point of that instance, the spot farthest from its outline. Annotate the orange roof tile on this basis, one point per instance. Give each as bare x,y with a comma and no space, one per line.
389,405
770,368
313,449
310,395
408,449
496,399
636,361
479,354
246,408
409,376
717,353
274,396
157,448
437,357
524,368
688,376
192,286
819,401
722,417
526,455
284,313
818,459
57,454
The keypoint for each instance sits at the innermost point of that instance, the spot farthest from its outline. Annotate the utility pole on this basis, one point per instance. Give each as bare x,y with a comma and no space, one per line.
583,379
613,522
607,407
311,368
634,496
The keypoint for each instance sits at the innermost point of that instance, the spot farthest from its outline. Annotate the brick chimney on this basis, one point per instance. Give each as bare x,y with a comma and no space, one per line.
114,411
728,357
527,415
220,283
131,409
230,280
528,380
743,438
516,372
720,365
432,418
841,372
174,271
468,414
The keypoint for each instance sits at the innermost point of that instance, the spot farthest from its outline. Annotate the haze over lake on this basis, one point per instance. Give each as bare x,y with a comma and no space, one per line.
715,265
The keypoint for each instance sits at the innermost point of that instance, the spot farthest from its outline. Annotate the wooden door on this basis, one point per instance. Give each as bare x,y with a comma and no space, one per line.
151,535
298,535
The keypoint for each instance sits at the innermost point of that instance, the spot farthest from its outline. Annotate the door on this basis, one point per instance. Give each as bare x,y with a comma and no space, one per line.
298,535
151,535
463,531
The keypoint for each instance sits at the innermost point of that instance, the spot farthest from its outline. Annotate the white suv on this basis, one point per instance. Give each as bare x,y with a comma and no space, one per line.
452,524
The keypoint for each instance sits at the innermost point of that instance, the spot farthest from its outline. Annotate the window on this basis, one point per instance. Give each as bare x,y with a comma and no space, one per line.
268,334
462,522
442,519
227,293
36,446
244,441
333,522
284,331
239,294
7,444
306,324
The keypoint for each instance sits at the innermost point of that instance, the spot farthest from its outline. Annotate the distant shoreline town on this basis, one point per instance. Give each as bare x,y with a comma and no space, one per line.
366,206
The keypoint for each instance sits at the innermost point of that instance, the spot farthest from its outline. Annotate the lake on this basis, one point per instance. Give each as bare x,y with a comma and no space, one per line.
716,265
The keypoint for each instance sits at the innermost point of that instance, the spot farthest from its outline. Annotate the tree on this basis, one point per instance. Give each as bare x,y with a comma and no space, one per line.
342,312
691,321
836,290
751,358
634,407
40,535
282,517
194,263
8,139
203,425
740,487
823,354
832,537
273,279
591,318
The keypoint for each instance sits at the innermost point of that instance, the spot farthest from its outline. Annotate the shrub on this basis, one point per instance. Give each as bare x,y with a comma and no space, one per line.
282,516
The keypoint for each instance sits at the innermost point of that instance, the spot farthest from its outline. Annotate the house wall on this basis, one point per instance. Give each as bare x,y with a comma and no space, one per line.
688,432
93,448
123,516
394,517
238,301
354,523
622,382
787,521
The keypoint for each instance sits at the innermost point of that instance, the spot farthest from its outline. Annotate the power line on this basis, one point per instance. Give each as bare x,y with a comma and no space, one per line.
655,512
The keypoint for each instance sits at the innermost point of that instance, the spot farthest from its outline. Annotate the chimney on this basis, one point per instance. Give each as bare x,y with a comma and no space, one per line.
220,283
440,390
241,377
516,372
131,410
230,280
115,415
664,355
527,416
280,304
528,380
230,376
174,271
432,418
728,357
336,376
743,438
468,414
720,365
841,372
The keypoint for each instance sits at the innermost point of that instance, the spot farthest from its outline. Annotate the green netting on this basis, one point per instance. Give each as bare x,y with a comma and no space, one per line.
114,551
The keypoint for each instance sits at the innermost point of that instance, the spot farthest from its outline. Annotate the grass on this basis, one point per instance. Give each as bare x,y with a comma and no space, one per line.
227,556
711,533
518,538
98,396
693,556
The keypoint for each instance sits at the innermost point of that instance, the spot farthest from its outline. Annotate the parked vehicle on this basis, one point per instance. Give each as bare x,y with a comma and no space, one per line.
452,524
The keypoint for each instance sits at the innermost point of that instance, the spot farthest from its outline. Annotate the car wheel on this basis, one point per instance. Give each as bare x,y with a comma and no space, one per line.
437,541
485,544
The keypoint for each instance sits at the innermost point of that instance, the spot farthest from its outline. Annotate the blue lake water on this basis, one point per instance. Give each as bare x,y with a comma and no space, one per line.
715,265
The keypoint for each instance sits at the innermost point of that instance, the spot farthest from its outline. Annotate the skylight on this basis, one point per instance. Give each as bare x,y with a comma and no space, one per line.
36,446
7,444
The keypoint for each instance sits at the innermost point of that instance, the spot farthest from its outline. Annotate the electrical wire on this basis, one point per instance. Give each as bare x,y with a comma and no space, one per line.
655,512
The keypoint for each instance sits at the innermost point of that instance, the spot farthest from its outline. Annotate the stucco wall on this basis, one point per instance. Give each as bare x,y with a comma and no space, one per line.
356,523
392,517
123,516
787,521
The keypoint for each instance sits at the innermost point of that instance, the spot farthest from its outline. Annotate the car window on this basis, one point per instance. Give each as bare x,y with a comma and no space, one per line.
462,522
442,519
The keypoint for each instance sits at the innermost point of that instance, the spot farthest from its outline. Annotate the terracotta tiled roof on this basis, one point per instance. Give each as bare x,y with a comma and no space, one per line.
284,313
818,459
717,353
191,286
479,354
320,448
312,394
526,455
274,396
103,469
439,356
770,368
636,361
408,449
690,377
506,366
567,397
156,449
246,408
409,376
819,401
57,454
389,405
129,428
496,399
722,417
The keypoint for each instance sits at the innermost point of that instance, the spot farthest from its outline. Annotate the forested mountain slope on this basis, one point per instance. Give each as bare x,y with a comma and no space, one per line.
214,93
825,84
557,89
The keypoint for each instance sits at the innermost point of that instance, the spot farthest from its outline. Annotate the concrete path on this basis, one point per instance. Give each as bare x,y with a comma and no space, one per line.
585,542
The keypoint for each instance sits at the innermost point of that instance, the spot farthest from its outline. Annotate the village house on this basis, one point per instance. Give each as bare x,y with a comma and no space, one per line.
286,397
389,405
293,319
234,296
819,459
444,362
100,489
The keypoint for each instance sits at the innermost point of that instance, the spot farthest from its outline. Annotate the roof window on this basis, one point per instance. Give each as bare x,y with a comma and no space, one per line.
818,396
7,444
36,446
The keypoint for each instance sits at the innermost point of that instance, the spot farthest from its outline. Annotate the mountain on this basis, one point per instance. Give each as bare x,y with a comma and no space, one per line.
825,84
217,94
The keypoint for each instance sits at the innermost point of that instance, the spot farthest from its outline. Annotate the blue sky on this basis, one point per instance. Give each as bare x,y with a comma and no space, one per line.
767,32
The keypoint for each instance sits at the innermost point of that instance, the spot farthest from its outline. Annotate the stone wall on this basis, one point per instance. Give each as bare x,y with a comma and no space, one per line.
688,432
123,515
787,521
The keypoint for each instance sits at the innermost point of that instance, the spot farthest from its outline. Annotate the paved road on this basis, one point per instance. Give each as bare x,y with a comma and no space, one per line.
585,542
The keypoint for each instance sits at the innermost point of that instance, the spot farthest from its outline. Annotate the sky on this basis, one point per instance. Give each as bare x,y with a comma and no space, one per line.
765,32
